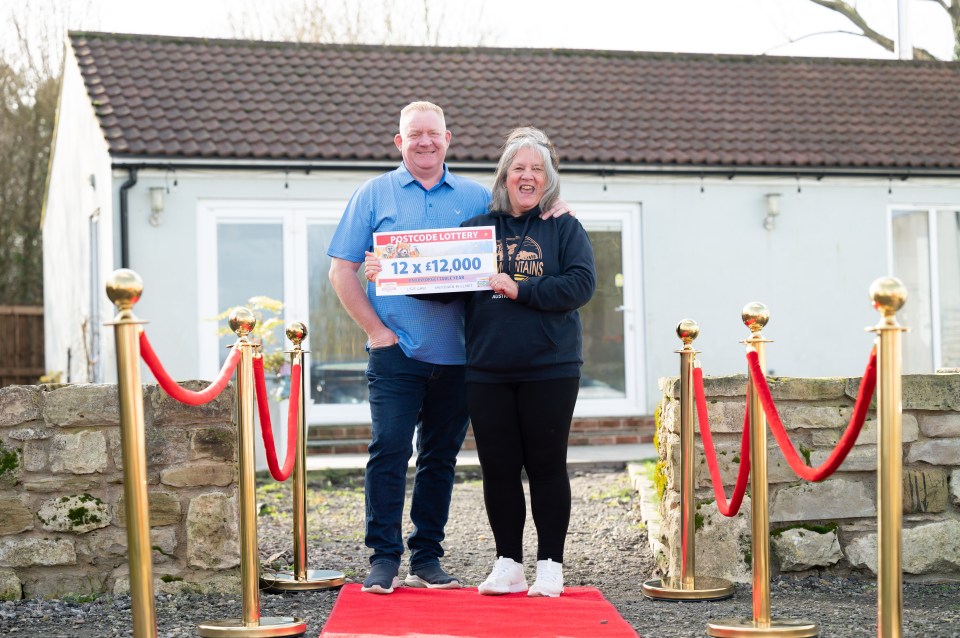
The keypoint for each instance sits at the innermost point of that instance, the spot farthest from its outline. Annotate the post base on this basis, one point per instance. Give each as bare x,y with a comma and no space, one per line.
314,579
268,626
703,588
778,627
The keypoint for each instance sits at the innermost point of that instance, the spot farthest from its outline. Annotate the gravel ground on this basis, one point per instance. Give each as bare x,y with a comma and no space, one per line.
606,548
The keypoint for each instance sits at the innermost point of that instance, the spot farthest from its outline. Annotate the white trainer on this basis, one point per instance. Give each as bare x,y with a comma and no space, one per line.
506,578
549,579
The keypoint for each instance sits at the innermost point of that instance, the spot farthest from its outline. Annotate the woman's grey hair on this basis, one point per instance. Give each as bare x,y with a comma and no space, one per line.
526,137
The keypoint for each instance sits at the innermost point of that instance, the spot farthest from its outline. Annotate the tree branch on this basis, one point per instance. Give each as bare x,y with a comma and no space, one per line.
850,13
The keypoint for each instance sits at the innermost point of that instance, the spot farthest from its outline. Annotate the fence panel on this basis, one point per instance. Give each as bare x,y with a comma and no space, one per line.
21,345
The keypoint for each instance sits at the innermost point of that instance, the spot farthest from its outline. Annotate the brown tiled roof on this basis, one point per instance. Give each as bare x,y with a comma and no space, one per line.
170,98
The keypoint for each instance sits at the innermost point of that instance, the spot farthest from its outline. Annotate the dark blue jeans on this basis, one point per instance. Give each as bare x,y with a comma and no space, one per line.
407,397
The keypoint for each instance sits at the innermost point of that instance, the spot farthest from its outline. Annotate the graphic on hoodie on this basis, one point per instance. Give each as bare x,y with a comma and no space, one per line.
527,261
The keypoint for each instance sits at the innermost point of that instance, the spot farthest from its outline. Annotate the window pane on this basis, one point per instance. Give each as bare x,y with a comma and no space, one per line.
250,264
337,344
911,264
948,249
603,374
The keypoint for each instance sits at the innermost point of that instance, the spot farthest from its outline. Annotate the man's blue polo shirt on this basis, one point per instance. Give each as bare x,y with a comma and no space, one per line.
429,331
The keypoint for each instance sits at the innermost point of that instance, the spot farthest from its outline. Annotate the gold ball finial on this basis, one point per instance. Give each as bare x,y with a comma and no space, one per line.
755,316
242,321
296,332
888,295
124,288
688,330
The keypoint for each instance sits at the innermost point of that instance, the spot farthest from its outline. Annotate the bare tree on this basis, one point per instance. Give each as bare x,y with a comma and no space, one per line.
850,12
410,22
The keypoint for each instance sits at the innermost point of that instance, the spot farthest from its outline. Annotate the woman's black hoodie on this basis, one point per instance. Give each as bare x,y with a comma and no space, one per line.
537,336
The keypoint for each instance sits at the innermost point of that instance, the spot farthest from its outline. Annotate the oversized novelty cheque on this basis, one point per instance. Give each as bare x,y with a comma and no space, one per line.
435,260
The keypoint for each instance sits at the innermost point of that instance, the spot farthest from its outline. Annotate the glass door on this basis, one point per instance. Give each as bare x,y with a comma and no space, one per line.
611,381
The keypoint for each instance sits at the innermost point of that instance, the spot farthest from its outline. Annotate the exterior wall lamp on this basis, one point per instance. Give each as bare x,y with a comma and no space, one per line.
156,205
773,210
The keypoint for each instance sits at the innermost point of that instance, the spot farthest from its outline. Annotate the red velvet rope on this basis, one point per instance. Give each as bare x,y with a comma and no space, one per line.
743,474
266,429
839,453
183,395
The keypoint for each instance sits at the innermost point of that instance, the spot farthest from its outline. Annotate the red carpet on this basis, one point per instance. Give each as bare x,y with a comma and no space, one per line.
581,612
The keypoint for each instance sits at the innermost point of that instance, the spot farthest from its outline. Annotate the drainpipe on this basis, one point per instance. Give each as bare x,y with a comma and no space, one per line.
124,210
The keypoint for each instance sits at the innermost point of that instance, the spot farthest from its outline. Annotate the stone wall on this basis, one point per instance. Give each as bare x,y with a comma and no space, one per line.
828,526
61,492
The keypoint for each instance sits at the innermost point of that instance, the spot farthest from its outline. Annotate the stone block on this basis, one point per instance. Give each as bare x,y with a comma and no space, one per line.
19,404
828,500
112,542
62,483
35,457
165,445
722,386
859,459
83,452
810,389
669,417
909,430
199,474
726,416
933,548
65,584
178,583
213,533
82,405
27,552
931,392
31,433
669,387
924,490
940,425
78,514
165,509
722,544
799,549
165,411
935,452
10,586
15,516
219,444
797,416
861,552
729,459
734,385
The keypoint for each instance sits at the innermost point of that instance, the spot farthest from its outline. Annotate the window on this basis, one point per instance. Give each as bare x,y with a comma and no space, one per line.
279,249
925,255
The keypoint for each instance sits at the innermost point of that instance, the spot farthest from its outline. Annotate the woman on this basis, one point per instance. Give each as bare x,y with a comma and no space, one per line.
523,361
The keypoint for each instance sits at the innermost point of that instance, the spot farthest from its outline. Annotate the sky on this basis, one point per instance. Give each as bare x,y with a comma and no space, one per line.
774,27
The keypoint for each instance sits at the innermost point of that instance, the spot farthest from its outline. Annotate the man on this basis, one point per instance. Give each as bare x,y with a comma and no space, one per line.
416,353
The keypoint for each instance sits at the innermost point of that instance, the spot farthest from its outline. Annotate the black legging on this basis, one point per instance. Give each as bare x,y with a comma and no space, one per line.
517,426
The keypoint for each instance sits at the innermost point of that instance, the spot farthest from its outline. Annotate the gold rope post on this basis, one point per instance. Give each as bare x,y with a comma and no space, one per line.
301,578
688,586
124,289
889,295
755,316
242,322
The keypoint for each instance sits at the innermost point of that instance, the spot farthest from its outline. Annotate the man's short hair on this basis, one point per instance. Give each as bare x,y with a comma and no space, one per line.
423,107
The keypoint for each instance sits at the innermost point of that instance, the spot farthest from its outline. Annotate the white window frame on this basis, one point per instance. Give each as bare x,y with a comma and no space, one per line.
627,215
933,266
296,215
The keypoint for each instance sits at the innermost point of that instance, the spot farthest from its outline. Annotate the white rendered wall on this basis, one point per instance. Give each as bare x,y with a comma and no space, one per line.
79,185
